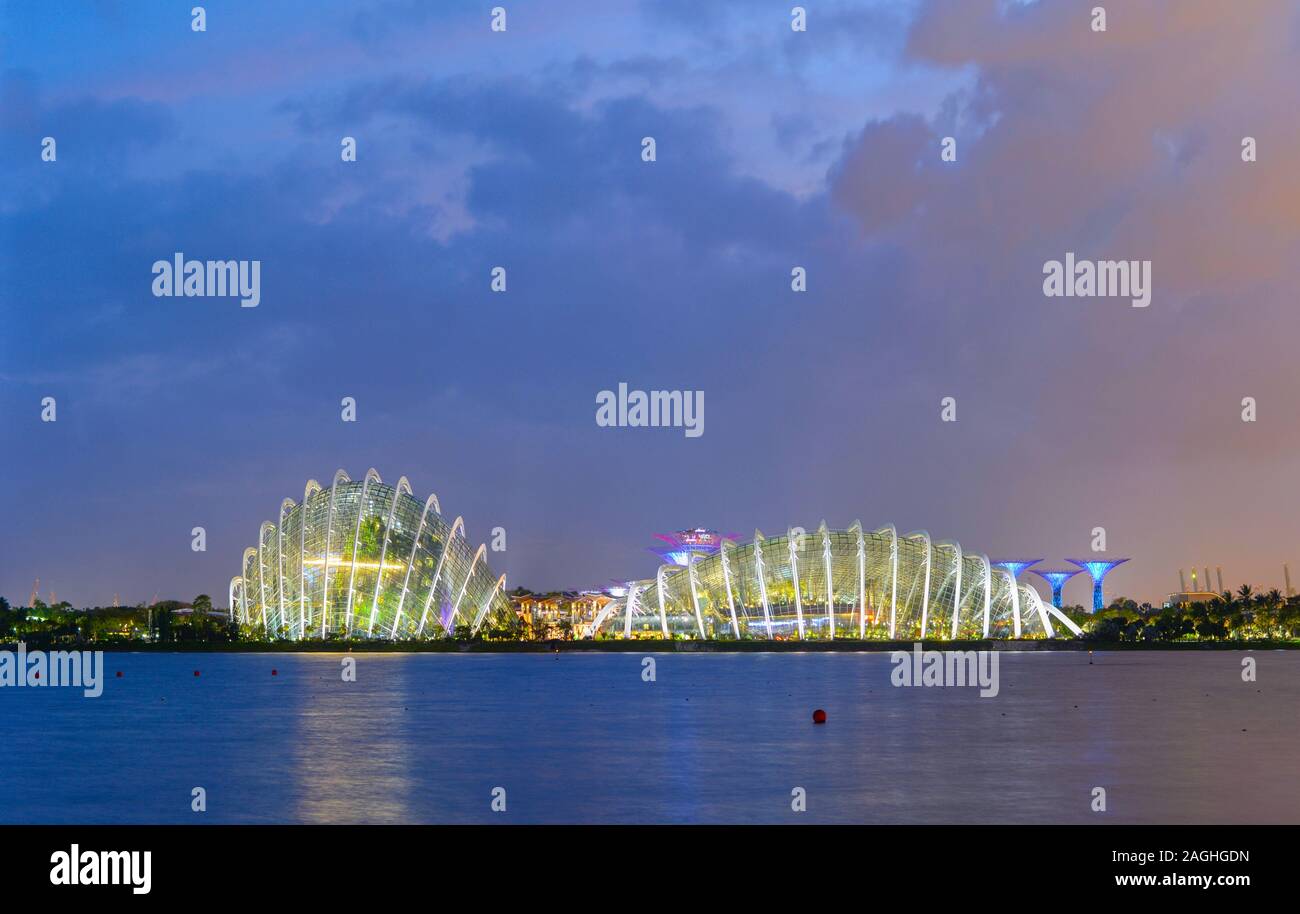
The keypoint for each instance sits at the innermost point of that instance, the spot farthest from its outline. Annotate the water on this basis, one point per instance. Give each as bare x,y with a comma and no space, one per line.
1173,737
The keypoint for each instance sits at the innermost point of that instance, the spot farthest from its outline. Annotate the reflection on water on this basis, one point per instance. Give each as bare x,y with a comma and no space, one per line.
359,771
1173,737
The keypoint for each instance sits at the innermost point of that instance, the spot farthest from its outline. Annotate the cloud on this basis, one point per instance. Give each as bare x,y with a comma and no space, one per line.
96,140
774,150
1117,145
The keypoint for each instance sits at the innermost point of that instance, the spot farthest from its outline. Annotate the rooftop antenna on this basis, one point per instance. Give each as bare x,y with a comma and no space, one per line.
36,587
1182,581
1218,569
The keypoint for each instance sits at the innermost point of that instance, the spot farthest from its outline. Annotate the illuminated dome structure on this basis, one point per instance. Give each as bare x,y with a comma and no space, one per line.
365,560
832,583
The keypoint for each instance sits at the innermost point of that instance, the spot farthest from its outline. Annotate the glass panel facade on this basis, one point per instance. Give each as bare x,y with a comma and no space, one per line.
364,559
859,567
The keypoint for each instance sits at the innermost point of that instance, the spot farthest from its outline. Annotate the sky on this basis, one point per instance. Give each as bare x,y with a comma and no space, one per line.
774,149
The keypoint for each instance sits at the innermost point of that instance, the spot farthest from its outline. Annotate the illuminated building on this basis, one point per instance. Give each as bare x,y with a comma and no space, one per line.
1057,579
560,614
826,584
1098,568
365,560
1185,599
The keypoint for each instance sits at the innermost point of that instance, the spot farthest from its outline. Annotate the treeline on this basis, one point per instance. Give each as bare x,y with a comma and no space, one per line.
1247,615
171,622
167,621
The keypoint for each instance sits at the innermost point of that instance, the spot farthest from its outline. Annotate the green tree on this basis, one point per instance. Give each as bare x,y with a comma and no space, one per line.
200,621
1212,629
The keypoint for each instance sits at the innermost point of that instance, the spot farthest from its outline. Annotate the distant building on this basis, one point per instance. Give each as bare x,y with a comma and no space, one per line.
560,614
1188,598
214,612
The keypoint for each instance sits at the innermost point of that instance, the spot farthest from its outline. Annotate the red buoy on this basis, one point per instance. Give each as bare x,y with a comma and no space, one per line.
196,672
819,716
119,674
275,673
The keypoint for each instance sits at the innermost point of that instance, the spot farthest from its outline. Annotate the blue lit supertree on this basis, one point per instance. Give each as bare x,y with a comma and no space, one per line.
1015,566
1098,568
1057,579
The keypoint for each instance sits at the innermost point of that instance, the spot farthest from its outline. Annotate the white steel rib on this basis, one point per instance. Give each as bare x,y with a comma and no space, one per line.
356,544
269,565
430,502
457,525
383,553
339,476
959,586
790,538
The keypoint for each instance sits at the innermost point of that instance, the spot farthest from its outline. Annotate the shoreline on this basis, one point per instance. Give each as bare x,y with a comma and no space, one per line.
646,645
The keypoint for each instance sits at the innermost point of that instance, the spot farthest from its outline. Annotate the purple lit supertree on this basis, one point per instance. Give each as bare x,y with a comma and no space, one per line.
686,543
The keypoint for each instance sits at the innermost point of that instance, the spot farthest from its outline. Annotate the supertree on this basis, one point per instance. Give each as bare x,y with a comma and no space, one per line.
1057,579
1098,568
